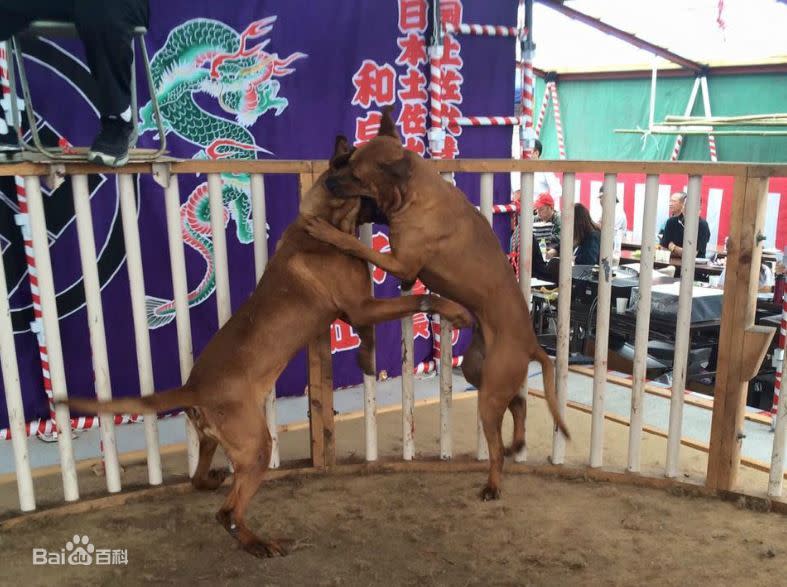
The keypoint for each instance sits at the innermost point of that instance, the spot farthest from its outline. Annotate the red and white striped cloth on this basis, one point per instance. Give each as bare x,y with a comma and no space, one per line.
526,101
561,143
436,138
486,30
426,367
543,111
487,120
46,427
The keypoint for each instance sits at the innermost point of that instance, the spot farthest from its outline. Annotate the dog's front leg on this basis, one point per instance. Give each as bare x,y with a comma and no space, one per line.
404,263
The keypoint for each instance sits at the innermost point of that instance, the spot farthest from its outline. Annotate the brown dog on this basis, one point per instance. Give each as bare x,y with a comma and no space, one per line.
307,285
439,237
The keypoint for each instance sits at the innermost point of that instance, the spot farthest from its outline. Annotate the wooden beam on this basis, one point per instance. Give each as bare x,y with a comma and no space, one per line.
323,441
738,311
630,38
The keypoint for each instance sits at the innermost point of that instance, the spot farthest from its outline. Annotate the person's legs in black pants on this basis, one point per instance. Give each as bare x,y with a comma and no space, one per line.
106,29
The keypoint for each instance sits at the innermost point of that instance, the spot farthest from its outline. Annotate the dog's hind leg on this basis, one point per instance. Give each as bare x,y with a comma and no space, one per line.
518,409
204,477
250,467
502,377
366,352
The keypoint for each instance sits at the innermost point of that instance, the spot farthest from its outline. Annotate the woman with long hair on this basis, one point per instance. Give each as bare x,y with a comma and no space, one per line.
587,237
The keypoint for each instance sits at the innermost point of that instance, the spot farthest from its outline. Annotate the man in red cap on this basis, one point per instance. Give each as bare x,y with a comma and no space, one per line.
544,207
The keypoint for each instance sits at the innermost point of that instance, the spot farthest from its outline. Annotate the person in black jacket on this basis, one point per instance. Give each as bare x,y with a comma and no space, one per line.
105,27
587,237
672,238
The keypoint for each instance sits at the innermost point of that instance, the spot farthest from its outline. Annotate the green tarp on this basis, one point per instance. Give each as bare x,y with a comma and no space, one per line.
592,110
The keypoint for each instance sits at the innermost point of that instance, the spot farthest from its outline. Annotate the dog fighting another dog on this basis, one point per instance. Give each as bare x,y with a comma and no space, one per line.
319,273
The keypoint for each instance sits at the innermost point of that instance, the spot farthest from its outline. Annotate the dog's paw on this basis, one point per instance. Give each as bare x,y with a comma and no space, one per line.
322,230
225,519
213,480
490,493
457,315
268,548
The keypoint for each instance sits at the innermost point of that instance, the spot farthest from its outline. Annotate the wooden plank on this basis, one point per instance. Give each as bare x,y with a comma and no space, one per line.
323,443
644,167
25,168
738,310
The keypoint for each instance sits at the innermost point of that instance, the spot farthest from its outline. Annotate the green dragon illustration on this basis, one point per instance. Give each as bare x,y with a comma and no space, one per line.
207,56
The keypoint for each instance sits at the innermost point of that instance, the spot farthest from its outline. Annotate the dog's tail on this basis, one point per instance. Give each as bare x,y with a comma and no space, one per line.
550,389
180,397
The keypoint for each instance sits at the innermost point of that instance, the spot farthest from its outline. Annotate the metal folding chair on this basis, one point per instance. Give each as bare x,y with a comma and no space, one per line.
59,29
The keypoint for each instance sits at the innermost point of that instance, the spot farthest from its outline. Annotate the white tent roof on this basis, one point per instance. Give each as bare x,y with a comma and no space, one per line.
755,32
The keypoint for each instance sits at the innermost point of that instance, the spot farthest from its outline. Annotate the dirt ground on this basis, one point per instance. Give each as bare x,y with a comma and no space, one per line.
418,528
406,529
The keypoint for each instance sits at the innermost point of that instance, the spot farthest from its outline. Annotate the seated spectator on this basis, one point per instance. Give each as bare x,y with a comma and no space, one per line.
621,223
672,238
544,209
587,237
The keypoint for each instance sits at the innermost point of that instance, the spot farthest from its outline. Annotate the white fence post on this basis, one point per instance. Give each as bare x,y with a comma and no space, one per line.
177,261
487,199
219,238
95,322
603,302
136,281
13,401
643,321
260,222
691,225
564,310
370,381
52,332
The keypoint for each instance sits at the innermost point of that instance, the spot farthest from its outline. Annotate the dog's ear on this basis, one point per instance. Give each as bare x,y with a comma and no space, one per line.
398,171
341,152
387,124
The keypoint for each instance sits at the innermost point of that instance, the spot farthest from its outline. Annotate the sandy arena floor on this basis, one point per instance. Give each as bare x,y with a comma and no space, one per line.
417,528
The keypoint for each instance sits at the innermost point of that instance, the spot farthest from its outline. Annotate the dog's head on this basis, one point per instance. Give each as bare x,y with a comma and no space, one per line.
379,170
343,213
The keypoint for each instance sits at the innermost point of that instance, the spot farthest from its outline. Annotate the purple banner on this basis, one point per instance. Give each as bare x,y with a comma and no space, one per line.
254,80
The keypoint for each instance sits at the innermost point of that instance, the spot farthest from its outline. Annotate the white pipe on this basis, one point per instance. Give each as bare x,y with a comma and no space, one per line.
177,262
526,195
690,228
487,198
653,76
52,333
706,107
776,476
259,221
408,387
370,381
13,401
564,310
219,237
136,280
95,323
446,385
643,321
602,322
